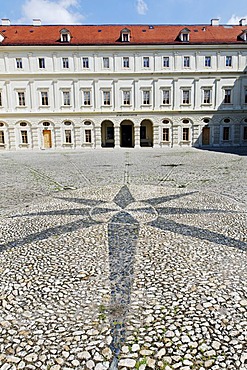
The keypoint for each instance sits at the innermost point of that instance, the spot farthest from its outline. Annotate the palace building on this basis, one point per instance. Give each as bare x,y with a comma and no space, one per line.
89,86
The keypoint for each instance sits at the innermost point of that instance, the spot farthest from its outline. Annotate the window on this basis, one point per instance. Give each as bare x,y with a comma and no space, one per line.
166,134
66,98
245,133
106,98
44,98
126,97
146,97
126,62
88,136
228,61
68,136
166,96
85,63
207,62
186,96
186,134
125,37
65,37
106,62
1,103
207,96
228,96
65,62
245,95
24,138
165,62
41,62
146,62
18,63
186,62
86,97
226,133
185,37
2,137
21,98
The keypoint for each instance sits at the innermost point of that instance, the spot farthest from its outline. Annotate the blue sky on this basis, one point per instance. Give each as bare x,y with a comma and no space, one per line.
123,11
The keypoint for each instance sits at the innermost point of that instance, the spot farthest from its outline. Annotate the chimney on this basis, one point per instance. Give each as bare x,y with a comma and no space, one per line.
36,22
243,22
215,22
5,22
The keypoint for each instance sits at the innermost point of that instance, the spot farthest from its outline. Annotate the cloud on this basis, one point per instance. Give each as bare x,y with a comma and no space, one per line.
141,7
235,19
52,11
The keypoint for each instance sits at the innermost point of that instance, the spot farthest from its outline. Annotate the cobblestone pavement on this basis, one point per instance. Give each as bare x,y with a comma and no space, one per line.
120,259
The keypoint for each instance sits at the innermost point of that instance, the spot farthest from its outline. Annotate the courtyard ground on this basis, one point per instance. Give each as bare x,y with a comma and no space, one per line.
123,258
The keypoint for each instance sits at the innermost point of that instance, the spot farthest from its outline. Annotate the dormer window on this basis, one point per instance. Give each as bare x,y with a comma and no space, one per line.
185,35
65,35
125,35
243,35
1,37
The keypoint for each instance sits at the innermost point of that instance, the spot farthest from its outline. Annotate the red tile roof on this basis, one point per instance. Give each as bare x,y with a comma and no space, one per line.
110,34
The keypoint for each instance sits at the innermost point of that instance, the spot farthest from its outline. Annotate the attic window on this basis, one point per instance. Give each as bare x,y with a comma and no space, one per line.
151,27
185,35
65,35
125,35
1,37
243,35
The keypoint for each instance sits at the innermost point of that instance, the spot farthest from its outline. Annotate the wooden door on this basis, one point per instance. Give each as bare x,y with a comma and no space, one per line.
47,138
206,136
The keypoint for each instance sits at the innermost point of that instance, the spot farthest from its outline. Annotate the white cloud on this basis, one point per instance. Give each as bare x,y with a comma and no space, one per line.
235,19
141,7
52,11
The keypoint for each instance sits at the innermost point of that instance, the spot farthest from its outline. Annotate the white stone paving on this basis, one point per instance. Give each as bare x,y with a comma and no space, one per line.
188,306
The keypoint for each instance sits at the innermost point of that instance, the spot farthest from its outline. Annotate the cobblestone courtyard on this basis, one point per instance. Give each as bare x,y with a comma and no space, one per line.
120,259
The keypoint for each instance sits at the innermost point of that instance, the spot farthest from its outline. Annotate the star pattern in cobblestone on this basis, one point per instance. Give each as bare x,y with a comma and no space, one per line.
124,217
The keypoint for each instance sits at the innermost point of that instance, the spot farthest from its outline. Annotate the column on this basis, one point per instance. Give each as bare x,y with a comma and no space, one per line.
117,135
155,94
137,135
54,60
76,95
96,94
156,136
32,95
197,94
6,61
97,136
29,56
55,95
75,59
115,103
176,95
218,95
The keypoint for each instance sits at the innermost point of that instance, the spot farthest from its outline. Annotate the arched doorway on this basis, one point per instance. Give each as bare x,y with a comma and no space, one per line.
146,133
107,134
127,134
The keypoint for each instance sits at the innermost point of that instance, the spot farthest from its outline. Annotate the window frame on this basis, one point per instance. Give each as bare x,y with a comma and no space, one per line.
85,62
44,99
186,61
88,135
207,61
21,98
106,98
41,62
126,62
1,99
126,97
87,98
207,99
146,62
228,61
186,101
164,99
166,62
19,63
186,134
106,62
244,133
227,95
65,62
165,134
146,97
24,137
68,136
226,133
66,98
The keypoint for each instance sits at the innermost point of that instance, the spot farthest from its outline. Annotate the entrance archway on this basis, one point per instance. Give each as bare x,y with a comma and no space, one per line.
146,133
127,134
107,134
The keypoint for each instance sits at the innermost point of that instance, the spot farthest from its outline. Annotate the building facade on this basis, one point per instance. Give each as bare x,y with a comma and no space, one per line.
122,86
